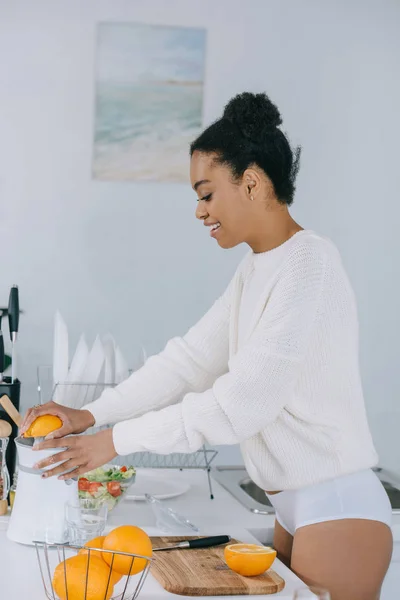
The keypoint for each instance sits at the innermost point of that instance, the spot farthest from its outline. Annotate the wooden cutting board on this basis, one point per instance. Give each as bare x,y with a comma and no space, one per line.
203,572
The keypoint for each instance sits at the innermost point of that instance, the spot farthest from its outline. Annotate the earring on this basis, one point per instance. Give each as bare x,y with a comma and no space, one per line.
251,198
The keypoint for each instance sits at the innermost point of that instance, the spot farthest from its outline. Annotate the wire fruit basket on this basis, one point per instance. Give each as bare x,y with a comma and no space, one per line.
62,583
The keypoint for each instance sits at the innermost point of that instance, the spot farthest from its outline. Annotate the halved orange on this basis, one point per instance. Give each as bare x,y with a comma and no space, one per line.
249,560
43,425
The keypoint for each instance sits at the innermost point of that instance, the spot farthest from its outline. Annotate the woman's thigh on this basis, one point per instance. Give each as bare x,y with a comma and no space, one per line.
283,543
348,557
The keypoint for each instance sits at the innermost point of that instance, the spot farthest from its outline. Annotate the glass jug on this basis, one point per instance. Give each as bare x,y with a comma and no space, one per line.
4,476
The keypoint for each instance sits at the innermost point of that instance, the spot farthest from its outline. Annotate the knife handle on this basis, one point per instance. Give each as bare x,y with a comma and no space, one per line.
1,354
207,542
13,311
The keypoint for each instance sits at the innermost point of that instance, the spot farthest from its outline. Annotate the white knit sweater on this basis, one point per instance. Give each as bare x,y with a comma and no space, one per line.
289,392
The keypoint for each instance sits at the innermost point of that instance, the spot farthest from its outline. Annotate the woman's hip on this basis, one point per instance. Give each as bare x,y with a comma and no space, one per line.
356,496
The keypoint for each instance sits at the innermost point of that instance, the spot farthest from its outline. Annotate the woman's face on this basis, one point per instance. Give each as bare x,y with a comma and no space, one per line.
224,206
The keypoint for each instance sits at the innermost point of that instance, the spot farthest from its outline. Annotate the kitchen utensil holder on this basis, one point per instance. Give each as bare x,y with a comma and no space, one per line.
12,390
51,555
201,459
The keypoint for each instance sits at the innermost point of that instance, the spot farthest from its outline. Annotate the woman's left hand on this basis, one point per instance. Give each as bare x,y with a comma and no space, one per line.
83,453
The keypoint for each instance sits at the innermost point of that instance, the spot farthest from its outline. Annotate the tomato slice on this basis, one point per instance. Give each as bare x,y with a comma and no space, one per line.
94,486
123,469
114,488
83,484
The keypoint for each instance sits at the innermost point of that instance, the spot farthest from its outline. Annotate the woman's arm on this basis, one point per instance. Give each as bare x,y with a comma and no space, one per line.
188,364
260,379
242,401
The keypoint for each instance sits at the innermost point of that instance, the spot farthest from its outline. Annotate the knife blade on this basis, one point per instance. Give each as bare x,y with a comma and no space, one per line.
206,542
13,322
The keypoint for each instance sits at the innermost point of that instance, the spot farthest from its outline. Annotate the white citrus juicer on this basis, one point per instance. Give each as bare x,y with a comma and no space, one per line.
38,512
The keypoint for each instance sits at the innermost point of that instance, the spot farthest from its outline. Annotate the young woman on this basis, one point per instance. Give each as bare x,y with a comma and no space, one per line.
273,366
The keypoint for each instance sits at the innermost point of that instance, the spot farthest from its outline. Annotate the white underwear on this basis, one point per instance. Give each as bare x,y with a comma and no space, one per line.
357,496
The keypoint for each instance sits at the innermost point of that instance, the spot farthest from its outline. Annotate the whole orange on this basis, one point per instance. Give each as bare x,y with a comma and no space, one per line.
249,560
75,570
129,539
43,425
97,542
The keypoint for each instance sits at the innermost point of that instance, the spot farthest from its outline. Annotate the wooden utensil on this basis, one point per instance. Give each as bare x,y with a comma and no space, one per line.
11,410
203,572
5,429
3,507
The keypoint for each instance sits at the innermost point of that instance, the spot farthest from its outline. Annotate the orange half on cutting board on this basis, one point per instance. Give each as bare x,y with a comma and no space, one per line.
249,560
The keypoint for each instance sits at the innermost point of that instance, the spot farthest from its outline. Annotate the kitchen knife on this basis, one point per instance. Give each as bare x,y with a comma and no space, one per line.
207,542
1,356
13,321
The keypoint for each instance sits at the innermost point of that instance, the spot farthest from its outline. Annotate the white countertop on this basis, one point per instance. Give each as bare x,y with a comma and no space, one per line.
223,515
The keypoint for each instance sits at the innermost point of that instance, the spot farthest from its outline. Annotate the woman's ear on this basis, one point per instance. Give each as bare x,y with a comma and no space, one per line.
252,182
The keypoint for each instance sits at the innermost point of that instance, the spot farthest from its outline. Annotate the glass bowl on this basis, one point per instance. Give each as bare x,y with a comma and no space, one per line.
106,485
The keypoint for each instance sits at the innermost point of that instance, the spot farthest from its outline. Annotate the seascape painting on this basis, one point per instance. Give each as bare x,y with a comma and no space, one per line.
149,96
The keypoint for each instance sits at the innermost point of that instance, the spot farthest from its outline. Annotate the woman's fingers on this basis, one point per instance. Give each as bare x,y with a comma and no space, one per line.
68,465
73,420
74,473
54,459
25,420
84,453
50,408
64,430
31,415
70,442
70,459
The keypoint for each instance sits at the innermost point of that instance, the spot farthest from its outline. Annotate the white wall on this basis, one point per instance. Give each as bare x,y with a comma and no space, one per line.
130,258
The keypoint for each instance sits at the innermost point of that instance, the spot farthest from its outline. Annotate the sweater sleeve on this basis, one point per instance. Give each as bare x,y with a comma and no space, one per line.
187,364
260,378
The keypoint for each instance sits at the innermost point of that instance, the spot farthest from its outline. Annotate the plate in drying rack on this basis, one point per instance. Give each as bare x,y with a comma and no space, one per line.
160,488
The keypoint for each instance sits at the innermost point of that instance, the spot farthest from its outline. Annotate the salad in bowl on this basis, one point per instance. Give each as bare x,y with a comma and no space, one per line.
106,484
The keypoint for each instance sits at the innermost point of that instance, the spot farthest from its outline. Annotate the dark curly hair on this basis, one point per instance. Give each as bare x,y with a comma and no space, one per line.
248,134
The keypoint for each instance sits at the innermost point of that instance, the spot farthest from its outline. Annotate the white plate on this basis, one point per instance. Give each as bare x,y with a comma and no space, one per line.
162,489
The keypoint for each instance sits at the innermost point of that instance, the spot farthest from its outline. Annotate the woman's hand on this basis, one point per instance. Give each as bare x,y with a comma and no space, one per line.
74,421
83,453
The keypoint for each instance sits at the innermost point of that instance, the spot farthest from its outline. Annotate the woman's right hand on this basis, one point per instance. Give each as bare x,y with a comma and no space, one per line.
74,421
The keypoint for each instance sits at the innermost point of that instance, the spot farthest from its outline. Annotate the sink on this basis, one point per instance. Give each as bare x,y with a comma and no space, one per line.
255,492
237,482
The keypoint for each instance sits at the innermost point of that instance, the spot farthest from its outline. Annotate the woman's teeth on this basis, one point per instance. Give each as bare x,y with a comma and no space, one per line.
215,226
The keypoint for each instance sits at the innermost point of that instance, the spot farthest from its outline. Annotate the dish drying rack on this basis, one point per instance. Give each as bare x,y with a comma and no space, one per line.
88,392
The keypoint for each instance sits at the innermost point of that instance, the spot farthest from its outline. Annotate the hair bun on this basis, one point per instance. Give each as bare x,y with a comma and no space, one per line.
254,114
